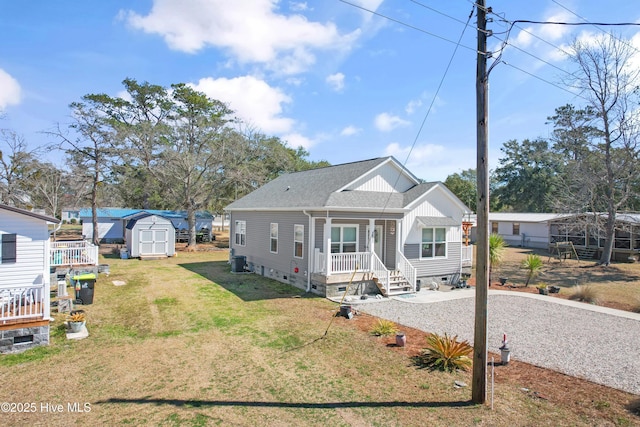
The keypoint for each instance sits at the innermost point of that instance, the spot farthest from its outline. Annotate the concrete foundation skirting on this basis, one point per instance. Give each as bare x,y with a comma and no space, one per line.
20,339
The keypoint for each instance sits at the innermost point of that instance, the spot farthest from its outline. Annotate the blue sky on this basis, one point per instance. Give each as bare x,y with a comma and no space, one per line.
344,83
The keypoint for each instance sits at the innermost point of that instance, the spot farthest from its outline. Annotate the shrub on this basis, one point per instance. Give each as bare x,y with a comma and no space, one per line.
533,264
384,327
446,353
584,293
72,221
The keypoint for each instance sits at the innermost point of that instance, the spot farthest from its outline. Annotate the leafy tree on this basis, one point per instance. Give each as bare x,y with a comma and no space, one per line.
527,174
606,77
464,186
89,144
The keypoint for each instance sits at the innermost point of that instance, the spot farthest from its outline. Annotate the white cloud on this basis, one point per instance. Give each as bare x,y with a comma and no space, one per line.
413,105
298,6
336,81
10,91
251,31
385,122
253,100
295,140
350,130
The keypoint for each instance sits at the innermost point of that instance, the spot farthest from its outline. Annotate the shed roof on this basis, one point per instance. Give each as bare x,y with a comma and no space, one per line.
141,215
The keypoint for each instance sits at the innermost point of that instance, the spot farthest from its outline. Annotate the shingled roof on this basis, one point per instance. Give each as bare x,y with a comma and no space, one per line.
322,188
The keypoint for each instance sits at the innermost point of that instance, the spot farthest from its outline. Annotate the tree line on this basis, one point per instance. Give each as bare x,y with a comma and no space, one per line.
591,161
152,148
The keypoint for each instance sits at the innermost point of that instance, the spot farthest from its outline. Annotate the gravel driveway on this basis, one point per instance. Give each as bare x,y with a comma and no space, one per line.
602,346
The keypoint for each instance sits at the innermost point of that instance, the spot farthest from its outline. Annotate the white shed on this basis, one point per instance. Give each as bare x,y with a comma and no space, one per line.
150,235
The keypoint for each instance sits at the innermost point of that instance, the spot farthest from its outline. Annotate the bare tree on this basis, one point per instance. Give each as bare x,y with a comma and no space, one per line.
16,166
607,79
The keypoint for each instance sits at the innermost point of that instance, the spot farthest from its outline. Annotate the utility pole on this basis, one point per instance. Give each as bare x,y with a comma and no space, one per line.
479,381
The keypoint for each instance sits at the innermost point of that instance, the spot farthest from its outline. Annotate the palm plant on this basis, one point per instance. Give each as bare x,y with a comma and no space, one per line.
446,353
533,264
496,251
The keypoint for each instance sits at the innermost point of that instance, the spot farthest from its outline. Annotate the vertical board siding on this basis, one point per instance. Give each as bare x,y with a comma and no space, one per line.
386,178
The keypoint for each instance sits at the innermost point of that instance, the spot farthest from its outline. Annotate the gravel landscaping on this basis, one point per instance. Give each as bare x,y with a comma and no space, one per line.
600,347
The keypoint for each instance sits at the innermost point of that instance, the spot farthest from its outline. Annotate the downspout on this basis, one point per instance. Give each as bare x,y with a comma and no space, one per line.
310,260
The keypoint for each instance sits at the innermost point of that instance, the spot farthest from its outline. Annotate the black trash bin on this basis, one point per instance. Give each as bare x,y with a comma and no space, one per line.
84,285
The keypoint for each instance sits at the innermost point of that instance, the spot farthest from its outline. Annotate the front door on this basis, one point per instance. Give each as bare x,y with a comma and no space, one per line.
378,241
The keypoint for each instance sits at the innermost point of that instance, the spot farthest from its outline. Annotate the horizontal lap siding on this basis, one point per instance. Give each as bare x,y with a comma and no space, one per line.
31,246
437,266
257,249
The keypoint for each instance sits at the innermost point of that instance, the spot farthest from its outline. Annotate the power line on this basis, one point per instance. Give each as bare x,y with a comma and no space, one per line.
397,21
545,81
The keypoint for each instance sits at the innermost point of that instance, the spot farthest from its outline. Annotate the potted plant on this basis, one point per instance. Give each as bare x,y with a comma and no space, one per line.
543,289
554,289
76,321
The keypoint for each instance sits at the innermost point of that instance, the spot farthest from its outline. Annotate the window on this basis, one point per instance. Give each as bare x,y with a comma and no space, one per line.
240,231
515,228
434,243
298,241
344,238
274,238
8,248
494,227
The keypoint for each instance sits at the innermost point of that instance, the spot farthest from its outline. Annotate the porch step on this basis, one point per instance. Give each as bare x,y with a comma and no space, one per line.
398,284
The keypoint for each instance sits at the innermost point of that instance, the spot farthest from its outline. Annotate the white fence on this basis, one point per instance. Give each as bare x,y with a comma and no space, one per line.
467,256
73,253
24,303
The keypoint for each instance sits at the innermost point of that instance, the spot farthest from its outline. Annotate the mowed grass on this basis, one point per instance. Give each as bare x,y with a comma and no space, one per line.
185,342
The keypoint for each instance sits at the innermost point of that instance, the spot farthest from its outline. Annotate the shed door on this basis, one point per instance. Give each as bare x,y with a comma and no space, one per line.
153,242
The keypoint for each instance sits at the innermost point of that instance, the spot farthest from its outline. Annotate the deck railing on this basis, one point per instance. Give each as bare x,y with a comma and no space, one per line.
350,261
72,253
23,303
381,272
467,256
408,271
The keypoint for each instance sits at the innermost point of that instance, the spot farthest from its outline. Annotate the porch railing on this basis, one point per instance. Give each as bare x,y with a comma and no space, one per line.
467,256
408,271
71,253
350,261
23,303
381,272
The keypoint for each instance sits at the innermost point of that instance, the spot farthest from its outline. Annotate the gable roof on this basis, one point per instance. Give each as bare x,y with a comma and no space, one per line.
324,188
31,214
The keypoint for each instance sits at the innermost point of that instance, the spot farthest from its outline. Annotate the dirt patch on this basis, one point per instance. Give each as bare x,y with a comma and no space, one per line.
580,396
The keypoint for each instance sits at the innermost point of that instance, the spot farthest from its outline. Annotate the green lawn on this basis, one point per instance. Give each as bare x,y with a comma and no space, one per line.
187,343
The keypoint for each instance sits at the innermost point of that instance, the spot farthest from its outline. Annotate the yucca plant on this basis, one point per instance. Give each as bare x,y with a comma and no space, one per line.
446,353
533,264
584,293
497,247
384,328
76,317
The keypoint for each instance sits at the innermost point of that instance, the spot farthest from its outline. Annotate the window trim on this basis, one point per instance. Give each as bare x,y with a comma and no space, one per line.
8,248
515,227
341,242
240,231
296,242
494,227
434,242
273,239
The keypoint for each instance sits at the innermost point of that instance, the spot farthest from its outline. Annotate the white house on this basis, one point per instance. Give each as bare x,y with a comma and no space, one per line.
24,278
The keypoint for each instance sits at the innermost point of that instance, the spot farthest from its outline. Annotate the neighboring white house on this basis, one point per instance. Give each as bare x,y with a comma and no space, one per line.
527,230
112,221
67,214
372,221
24,278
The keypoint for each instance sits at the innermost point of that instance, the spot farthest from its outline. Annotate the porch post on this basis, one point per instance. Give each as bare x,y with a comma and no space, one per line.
371,243
327,245
399,248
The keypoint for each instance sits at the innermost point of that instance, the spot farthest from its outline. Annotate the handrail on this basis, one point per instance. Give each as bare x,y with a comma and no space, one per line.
380,271
347,262
408,271
71,253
